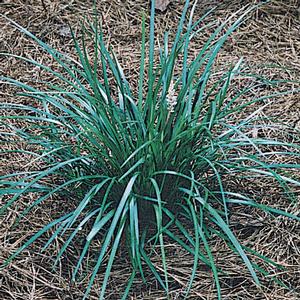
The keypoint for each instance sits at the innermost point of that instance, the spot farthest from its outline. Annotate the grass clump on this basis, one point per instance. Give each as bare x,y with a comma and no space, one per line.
147,164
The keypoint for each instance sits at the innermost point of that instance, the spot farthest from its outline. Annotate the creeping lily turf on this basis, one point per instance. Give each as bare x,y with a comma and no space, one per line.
148,164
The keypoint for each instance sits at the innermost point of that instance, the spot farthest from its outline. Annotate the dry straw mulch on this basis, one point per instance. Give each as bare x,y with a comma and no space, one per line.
270,36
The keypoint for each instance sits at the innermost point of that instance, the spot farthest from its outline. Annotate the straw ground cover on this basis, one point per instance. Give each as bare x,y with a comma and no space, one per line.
247,230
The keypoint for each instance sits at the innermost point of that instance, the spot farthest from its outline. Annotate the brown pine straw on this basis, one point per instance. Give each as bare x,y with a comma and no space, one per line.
270,36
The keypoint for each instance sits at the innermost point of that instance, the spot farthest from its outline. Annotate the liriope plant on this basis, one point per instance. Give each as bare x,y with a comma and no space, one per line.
147,164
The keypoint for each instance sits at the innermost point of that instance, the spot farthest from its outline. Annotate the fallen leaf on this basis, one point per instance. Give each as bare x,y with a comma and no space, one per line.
162,4
64,31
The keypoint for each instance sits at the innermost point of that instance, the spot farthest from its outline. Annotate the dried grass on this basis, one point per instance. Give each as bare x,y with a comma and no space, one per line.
270,36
